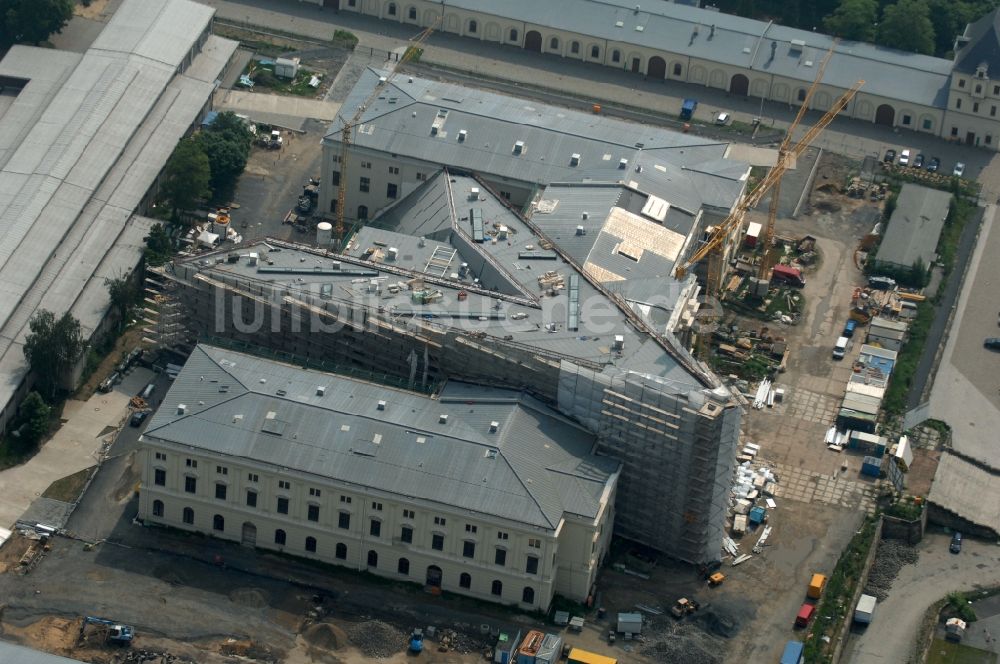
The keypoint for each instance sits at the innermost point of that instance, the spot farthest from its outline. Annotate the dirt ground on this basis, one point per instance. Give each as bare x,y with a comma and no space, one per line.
95,11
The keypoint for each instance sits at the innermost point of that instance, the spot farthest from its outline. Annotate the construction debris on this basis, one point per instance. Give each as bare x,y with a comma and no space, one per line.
375,638
889,559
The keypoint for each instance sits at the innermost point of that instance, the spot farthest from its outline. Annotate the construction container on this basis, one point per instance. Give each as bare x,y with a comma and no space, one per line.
871,466
578,656
793,653
805,614
530,646
865,610
630,623
816,586
757,515
550,651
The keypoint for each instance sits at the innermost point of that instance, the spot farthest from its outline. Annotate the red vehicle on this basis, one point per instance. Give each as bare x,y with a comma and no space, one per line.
806,612
790,275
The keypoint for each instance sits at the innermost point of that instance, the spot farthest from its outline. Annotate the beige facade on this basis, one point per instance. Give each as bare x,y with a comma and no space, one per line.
472,554
957,122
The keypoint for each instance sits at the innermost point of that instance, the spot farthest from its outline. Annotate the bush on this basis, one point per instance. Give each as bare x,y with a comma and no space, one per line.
959,603
345,39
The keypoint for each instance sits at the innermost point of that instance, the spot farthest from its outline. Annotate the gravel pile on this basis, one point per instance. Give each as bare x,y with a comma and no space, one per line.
889,559
682,642
375,638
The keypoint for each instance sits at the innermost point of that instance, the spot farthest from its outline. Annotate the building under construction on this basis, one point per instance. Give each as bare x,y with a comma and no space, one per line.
577,309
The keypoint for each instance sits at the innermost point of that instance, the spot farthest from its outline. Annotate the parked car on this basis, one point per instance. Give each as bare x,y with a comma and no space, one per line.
993,343
956,543
849,328
722,119
138,417
904,158
933,165
959,170
918,161
890,156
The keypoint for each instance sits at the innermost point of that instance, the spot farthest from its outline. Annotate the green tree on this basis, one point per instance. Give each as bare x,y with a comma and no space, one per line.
52,348
227,143
159,246
853,19
907,26
123,294
186,176
32,21
35,418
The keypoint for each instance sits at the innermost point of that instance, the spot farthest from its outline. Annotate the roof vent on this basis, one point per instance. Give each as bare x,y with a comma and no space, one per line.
320,391
574,159
585,215
623,163
381,405
637,9
638,169
518,147
392,253
237,418
490,454
474,194
281,393
494,426
580,230
502,232
619,344
252,258
181,409
443,419
434,130
462,135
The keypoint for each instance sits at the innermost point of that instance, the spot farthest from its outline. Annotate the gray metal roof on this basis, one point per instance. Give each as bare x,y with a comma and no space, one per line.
711,35
982,47
15,654
968,490
79,148
534,469
424,212
400,122
915,226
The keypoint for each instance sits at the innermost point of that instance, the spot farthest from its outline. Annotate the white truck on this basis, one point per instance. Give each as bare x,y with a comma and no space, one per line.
865,610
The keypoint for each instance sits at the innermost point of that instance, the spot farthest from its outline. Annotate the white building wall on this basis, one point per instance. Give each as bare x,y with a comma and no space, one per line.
363,506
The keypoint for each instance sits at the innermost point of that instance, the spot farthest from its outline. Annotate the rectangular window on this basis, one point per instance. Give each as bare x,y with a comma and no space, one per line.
313,513
390,190
907,120
377,506
502,535
366,164
375,528
190,484
160,456
437,542
282,484
282,505
221,470
192,463
975,107
469,549
344,521
366,184
961,82
394,170
993,111
500,557
928,123
469,528
352,3
160,477
252,477
251,499
345,499
532,566
988,139
505,194
335,178
408,514
535,543
996,89
954,131
314,492
958,103
421,176
439,521
406,535
220,491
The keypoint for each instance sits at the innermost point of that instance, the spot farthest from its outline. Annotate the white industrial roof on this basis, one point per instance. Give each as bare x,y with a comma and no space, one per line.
968,490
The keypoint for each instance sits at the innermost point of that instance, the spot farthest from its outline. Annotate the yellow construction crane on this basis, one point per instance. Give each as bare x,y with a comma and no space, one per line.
349,125
770,183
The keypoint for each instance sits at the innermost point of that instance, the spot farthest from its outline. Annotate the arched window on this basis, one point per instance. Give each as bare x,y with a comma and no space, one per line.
465,581
497,588
373,559
403,566
279,537
513,35
311,544
574,47
413,13
595,51
473,26
528,595
218,523
554,43
391,9
341,553
188,515
157,508
616,55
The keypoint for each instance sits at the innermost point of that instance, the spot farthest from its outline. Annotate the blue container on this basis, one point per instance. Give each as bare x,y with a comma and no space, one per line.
871,466
756,515
793,653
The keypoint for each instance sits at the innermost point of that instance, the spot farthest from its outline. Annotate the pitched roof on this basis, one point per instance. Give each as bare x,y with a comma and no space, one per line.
915,226
982,47
534,469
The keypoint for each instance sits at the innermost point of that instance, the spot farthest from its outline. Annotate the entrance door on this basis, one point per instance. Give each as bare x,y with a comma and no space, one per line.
885,115
657,68
533,41
739,85
335,4
434,576
635,65
249,537
970,138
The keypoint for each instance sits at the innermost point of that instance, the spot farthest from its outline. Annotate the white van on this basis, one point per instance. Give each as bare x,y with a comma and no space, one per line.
840,349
